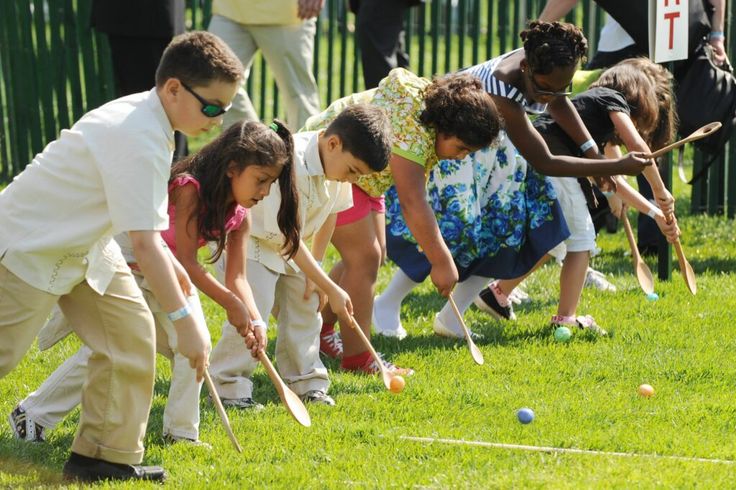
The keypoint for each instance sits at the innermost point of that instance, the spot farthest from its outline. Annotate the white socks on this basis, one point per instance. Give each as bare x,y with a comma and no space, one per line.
464,294
387,306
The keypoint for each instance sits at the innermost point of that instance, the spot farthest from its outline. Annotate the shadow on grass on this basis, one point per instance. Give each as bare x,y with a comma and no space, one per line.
31,474
34,464
717,264
617,264
494,332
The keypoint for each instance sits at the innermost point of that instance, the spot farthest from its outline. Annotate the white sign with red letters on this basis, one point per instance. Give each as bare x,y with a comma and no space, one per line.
668,30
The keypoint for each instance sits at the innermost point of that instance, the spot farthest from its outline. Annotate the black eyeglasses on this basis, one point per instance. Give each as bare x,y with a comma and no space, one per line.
540,91
208,109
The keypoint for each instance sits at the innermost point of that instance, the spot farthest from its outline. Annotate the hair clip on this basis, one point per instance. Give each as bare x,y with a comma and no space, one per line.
274,126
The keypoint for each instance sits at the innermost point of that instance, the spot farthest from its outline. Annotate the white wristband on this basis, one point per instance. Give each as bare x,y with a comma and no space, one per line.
587,145
182,312
652,213
259,323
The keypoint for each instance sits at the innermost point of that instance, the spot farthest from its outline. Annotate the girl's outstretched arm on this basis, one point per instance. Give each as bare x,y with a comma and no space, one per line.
236,280
338,298
567,117
634,199
533,148
410,185
634,142
185,199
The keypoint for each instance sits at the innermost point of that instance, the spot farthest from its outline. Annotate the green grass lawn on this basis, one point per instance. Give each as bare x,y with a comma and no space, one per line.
583,393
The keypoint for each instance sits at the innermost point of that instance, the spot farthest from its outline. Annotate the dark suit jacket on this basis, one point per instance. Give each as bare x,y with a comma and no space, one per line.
139,18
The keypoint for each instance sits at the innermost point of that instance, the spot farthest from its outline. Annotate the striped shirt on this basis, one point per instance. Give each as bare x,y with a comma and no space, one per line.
485,72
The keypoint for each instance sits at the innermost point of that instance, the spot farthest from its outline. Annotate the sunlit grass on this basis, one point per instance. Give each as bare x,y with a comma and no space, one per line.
583,394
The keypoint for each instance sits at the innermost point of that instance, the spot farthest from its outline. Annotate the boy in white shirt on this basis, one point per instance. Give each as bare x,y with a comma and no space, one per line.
108,174
357,142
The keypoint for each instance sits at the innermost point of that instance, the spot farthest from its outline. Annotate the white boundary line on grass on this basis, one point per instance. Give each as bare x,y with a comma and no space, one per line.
546,449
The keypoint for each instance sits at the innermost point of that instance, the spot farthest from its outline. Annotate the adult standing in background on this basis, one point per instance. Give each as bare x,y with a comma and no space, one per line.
380,30
138,31
284,31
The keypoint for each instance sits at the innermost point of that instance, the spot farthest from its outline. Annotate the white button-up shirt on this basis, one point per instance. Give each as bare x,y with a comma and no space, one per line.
318,199
106,175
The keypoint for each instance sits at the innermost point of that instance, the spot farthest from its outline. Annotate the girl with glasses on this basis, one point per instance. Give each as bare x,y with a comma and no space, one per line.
631,104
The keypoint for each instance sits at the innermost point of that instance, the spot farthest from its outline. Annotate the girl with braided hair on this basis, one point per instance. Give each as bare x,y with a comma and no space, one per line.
499,217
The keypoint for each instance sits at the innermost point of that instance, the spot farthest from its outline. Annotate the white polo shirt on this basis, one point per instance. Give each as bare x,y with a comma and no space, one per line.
106,175
318,199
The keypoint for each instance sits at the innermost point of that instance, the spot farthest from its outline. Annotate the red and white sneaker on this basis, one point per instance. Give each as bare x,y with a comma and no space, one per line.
371,367
330,343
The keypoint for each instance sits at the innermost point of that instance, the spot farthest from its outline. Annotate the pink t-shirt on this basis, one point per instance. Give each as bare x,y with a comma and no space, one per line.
233,221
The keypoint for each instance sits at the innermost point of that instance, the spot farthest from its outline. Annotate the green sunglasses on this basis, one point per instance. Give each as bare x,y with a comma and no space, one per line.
208,109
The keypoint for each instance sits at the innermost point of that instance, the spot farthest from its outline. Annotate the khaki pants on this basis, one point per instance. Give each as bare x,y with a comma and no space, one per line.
297,343
62,391
288,49
118,328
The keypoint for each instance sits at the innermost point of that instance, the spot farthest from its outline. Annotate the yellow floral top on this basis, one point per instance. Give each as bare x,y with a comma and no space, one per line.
400,95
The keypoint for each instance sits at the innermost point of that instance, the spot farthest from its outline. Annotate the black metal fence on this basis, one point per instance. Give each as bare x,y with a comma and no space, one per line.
54,68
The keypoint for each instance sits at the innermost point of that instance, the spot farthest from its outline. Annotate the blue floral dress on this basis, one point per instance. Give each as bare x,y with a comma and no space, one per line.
497,215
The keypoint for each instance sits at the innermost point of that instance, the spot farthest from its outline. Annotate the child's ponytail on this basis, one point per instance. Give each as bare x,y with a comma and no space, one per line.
288,215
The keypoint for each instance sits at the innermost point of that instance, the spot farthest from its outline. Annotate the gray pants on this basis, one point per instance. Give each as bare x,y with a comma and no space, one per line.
288,50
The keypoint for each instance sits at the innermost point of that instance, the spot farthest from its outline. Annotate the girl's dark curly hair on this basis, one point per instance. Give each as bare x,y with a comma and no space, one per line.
548,45
241,145
457,105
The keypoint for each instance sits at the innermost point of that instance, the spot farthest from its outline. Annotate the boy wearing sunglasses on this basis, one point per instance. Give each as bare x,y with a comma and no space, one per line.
106,175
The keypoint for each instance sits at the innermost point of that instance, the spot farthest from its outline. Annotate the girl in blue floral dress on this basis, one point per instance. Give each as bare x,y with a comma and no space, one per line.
447,117
498,216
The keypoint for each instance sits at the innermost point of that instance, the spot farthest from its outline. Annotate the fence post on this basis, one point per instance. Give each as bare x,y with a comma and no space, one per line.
422,39
434,32
475,15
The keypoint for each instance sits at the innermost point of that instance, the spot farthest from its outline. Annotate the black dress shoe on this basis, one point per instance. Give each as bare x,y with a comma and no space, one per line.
82,468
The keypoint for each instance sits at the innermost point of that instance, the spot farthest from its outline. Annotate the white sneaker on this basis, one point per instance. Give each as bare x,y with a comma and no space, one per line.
382,329
519,296
443,331
584,322
596,279
172,439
